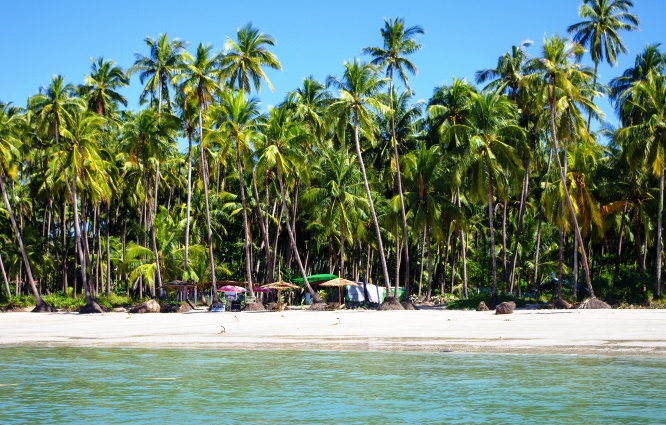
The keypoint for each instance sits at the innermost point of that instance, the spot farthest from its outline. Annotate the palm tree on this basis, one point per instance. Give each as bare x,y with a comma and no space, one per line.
283,151
158,69
146,141
359,87
487,134
599,33
246,57
100,87
424,170
336,196
650,63
449,106
80,160
237,118
508,77
398,41
647,139
199,85
562,79
10,122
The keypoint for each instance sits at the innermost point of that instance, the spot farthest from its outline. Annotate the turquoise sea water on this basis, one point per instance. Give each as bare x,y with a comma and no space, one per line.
118,386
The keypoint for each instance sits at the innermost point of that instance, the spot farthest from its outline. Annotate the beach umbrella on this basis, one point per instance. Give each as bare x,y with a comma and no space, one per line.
231,288
339,283
280,286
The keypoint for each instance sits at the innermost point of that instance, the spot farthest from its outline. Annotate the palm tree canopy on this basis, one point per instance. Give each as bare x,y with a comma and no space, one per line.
158,69
246,57
100,87
599,32
358,89
398,41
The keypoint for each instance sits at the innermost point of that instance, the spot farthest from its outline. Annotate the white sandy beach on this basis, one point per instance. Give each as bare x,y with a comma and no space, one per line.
608,332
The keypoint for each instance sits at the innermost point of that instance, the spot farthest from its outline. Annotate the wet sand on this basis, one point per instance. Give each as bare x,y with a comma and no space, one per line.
605,332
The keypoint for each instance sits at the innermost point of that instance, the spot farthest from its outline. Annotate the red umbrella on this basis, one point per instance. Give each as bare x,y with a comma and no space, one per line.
231,288
260,289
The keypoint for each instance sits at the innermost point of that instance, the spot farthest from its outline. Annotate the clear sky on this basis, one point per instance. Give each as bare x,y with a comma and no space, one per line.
44,37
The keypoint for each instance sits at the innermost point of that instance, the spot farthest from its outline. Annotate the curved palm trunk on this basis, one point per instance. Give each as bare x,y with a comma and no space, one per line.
594,83
560,168
246,228
209,233
292,239
385,272
405,233
41,305
493,254
189,205
4,278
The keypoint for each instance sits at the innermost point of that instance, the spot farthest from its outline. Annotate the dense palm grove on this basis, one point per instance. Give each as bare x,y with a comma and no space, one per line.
490,187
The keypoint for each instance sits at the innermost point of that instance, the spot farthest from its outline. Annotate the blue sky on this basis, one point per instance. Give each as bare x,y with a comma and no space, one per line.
44,38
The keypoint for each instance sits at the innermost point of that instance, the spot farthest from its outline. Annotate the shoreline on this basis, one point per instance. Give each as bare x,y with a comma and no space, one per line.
567,332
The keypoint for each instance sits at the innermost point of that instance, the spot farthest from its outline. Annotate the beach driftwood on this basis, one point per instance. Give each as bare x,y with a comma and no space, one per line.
482,307
506,307
560,304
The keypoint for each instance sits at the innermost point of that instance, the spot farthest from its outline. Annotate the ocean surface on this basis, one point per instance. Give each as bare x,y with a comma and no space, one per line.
132,386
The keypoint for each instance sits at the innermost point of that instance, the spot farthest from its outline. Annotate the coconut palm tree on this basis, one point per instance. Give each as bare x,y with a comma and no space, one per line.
649,64
398,42
199,84
424,170
358,95
101,87
158,69
79,161
283,152
246,57
488,134
336,196
10,123
600,31
563,83
147,140
237,118
646,139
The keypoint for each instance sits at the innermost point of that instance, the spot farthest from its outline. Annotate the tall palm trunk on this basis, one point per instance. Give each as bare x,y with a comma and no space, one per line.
108,250
519,225
428,247
463,249
380,245
396,155
246,227
41,305
209,233
4,278
493,254
538,241
657,292
586,266
618,258
263,227
292,239
189,204
71,190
